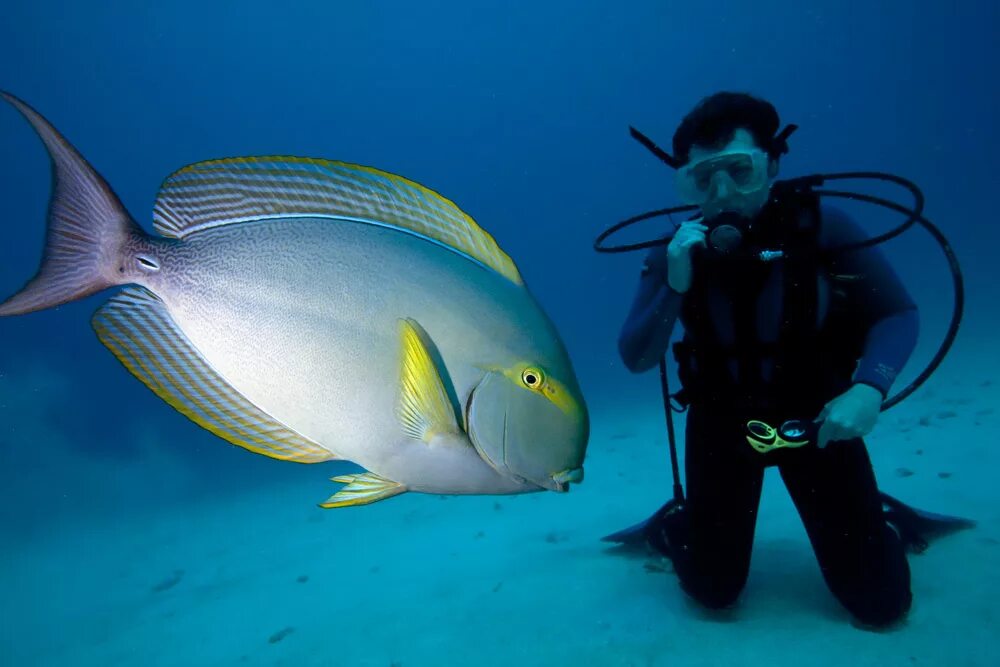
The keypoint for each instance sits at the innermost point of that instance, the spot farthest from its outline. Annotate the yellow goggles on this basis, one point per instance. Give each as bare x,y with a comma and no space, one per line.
765,438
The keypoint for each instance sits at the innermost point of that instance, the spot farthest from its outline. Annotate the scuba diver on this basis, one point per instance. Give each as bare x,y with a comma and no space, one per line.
795,329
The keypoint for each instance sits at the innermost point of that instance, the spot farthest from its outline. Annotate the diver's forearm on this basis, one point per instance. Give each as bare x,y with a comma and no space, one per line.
646,334
888,347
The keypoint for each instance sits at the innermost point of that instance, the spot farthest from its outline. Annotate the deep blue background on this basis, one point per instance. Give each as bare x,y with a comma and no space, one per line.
517,111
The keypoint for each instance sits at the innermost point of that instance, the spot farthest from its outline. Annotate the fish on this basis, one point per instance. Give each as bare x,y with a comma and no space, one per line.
311,310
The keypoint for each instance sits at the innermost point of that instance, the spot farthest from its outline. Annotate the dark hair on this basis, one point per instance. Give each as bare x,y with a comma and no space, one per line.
716,118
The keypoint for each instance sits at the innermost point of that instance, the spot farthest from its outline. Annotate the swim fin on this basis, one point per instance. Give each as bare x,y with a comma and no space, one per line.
917,527
651,531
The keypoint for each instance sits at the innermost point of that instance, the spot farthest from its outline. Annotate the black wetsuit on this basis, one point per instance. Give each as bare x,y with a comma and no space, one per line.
764,341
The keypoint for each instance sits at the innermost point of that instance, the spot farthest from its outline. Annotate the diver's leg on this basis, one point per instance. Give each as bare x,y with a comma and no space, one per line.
862,559
712,539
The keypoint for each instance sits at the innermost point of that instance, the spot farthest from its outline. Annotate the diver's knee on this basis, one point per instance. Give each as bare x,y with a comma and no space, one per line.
880,595
715,592
883,614
882,610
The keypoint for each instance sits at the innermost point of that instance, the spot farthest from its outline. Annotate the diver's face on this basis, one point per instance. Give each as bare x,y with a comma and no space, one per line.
735,178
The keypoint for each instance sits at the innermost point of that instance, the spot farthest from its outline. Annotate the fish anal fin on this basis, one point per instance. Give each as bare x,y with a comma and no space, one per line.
137,328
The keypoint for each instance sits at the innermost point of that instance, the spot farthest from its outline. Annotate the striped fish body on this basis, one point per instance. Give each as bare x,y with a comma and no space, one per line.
300,316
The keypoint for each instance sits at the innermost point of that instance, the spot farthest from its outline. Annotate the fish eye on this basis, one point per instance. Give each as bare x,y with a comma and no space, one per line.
532,377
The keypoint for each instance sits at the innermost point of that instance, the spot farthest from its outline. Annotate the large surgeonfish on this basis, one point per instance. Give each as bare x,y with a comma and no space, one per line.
311,310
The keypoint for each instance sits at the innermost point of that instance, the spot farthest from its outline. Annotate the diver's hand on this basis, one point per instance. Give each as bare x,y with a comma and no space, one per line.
690,234
850,415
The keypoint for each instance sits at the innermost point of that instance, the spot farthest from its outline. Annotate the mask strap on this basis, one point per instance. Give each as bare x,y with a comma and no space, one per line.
667,158
779,145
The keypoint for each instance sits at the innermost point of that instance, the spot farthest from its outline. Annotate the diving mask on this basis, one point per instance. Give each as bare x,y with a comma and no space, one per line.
745,171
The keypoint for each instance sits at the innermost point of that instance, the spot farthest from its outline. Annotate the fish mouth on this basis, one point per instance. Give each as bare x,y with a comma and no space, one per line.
561,480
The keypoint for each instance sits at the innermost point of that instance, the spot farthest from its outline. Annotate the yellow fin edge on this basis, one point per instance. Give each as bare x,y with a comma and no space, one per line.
423,407
362,489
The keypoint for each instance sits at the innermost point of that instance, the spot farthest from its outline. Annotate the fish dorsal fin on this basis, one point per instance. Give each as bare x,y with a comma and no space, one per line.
220,192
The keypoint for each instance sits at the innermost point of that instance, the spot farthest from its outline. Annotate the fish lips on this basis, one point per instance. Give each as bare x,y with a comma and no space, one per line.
521,435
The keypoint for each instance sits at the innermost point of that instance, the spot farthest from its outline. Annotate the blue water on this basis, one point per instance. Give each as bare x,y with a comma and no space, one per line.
518,112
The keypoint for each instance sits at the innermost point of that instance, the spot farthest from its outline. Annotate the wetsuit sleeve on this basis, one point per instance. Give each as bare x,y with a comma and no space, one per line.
645,336
879,299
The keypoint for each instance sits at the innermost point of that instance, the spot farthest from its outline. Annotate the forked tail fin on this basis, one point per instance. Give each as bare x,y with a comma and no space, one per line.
88,228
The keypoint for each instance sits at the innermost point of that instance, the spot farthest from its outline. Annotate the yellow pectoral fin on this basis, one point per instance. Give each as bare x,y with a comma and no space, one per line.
362,489
423,408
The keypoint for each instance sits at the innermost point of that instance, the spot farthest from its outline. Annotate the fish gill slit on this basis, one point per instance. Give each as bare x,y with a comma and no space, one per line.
503,441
